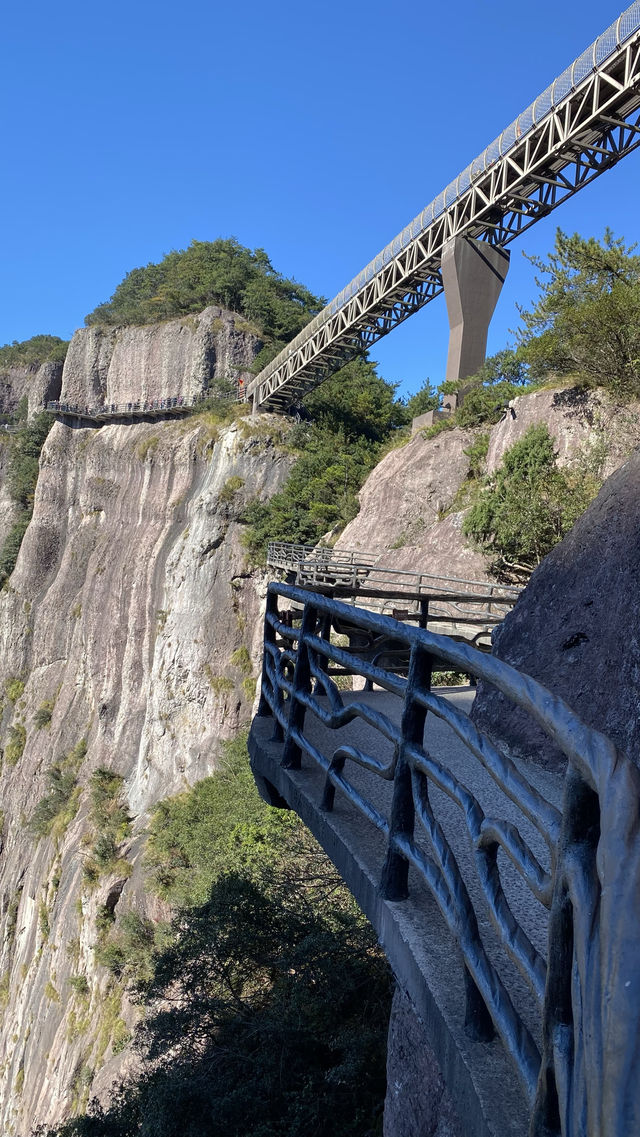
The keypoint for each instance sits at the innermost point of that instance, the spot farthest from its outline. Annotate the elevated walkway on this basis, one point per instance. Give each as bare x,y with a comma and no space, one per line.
466,610
506,896
581,125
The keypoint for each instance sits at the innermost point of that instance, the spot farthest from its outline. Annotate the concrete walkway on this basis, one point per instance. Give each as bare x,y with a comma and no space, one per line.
421,950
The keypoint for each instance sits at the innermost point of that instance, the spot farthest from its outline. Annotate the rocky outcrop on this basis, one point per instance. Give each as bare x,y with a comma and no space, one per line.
412,505
576,627
184,357
418,1103
7,507
132,620
40,383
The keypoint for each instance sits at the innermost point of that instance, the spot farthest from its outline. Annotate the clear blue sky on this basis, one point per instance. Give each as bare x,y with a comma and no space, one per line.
316,131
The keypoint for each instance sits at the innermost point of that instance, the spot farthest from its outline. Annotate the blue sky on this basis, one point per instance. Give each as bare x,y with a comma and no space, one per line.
316,131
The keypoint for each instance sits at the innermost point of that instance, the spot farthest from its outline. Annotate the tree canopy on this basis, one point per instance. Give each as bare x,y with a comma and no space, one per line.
586,321
267,996
212,272
32,352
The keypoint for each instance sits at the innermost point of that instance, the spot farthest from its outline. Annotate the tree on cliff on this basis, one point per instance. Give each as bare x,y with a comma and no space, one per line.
586,321
528,505
212,272
349,419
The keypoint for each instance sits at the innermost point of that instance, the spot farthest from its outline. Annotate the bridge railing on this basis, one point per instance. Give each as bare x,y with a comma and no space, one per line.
550,101
577,869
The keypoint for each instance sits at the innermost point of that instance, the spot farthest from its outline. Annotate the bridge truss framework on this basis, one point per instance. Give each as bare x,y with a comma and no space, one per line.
580,126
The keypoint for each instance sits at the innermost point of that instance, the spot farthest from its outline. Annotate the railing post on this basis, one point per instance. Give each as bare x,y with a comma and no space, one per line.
291,754
394,883
424,613
264,706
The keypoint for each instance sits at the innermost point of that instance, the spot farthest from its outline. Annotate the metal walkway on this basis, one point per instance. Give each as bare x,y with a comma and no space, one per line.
580,126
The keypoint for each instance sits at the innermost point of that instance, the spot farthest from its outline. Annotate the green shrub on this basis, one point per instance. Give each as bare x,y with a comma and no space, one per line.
14,749
14,688
56,810
78,984
110,824
242,660
44,714
230,488
528,505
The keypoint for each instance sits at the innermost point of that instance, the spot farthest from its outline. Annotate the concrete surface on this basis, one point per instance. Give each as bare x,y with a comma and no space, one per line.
422,952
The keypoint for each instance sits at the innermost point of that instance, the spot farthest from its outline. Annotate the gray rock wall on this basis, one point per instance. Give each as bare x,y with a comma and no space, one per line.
40,383
418,1103
157,361
128,601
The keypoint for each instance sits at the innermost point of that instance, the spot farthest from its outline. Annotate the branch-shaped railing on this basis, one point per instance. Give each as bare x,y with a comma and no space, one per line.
466,609
578,867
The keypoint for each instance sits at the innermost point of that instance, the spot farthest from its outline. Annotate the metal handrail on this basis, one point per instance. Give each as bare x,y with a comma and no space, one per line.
174,404
587,989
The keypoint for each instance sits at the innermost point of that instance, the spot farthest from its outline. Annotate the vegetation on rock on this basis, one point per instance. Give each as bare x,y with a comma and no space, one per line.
529,504
213,272
58,807
33,352
347,421
22,477
267,996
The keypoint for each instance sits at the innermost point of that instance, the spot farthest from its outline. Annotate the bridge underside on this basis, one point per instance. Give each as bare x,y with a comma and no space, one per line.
581,126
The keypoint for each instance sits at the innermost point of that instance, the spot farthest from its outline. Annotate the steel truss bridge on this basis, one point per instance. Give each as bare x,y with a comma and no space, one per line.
580,126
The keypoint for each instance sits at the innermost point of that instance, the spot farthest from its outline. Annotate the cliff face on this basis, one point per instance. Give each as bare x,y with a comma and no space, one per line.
130,621
413,504
158,361
40,383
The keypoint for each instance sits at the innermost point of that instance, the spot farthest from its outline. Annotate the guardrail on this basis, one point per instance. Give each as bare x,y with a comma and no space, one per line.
577,868
100,412
470,609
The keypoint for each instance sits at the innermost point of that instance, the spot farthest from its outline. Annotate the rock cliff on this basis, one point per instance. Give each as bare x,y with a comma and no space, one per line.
178,357
413,504
131,622
40,383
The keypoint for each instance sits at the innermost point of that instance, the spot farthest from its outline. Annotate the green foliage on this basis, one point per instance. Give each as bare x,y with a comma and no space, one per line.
110,824
528,505
14,749
129,951
38,349
14,688
44,713
22,476
426,399
586,322
477,452
240,658
78,984
267,1003
230,488
51,992
212,272
351,416
58,807
43,921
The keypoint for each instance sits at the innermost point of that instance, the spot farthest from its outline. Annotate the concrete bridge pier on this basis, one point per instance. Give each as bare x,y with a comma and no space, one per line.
473,273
